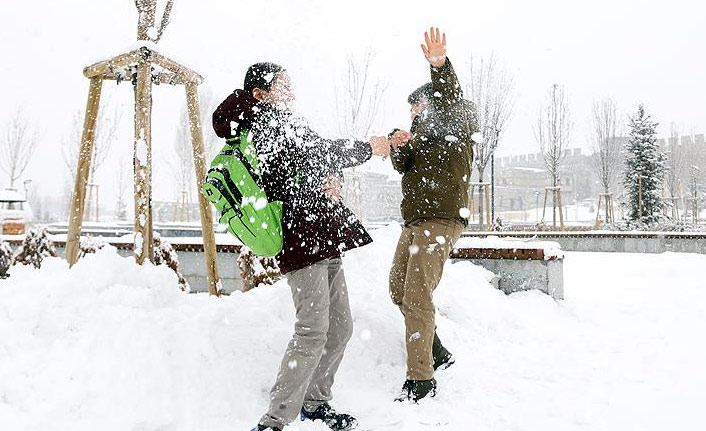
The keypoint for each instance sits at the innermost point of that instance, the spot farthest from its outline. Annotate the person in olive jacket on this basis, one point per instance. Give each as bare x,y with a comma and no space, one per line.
302,170
435,160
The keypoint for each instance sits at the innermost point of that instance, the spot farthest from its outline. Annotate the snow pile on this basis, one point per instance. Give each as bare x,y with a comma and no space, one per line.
551,249
112,346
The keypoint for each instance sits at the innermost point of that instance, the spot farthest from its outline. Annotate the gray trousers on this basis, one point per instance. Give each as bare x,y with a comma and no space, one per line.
323,327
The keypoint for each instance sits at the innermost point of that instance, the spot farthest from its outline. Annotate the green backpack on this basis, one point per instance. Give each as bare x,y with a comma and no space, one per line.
233,186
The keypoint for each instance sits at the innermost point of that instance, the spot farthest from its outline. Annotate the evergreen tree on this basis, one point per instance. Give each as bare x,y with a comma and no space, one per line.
644,169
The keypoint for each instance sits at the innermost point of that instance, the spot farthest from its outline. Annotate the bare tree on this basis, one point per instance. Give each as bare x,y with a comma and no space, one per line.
606,143
693,173
552,133
358,101
491,91
122,182
182,167
18,144
106,133
676,164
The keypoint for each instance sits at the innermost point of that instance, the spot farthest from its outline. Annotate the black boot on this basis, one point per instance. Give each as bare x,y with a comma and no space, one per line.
443,359
264,428
326,414
415,390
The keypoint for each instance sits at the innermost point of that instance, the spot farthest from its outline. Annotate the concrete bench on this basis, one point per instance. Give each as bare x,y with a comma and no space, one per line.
518,265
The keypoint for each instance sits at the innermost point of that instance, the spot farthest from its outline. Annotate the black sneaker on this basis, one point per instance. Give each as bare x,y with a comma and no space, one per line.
415,390
265,428
443,359
326,414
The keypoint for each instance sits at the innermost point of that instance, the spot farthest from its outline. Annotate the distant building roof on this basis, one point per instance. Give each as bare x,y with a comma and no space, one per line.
10,195
535,170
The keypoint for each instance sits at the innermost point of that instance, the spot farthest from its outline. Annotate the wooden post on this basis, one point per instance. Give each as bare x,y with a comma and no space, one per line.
561,209
598,211
610,214
209,238
544,208
84,163
487,206
144,243
554,204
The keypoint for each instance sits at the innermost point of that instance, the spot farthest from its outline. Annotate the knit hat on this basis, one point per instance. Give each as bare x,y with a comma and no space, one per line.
426,91
261,75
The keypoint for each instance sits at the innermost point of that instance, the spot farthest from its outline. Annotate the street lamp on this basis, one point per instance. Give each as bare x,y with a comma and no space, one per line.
492,175
536,195
26,183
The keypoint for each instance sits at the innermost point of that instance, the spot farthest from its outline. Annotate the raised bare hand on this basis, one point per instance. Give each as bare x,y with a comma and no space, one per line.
435,48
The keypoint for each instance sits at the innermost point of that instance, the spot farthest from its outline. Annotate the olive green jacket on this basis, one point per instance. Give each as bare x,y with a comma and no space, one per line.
436,163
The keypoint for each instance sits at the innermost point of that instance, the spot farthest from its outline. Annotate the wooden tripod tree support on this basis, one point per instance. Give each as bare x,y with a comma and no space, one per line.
144,67
181,209
673,206
694,209
556,202
609,211
484,189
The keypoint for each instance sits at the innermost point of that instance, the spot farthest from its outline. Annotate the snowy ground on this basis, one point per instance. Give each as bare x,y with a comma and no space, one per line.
111,346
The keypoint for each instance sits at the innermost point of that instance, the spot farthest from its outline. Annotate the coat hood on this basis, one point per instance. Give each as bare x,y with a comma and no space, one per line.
235,112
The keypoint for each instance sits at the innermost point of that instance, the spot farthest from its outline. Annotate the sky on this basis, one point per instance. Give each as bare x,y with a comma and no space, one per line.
633,51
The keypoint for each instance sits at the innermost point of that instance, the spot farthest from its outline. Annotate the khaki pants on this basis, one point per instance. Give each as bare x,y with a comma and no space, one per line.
422,250
323,327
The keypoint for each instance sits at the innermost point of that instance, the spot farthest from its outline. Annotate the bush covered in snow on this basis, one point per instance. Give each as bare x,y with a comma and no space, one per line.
5,259
35,247
90,245
256,270
164,254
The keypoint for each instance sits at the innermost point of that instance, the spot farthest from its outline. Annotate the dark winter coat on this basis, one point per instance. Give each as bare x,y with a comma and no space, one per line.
294,163
436,163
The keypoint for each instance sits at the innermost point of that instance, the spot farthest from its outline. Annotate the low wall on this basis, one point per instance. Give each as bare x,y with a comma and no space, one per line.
518,275
513,275
191,263
619,242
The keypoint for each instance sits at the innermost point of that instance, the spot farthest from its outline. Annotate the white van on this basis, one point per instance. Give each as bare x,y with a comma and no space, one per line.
15,213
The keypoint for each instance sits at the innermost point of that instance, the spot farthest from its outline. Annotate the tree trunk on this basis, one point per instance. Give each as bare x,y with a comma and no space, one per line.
480,197
555,183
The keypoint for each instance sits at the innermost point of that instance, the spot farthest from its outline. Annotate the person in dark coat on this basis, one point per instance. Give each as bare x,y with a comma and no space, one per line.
303,170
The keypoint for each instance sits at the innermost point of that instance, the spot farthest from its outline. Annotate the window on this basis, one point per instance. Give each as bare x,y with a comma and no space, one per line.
16,205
